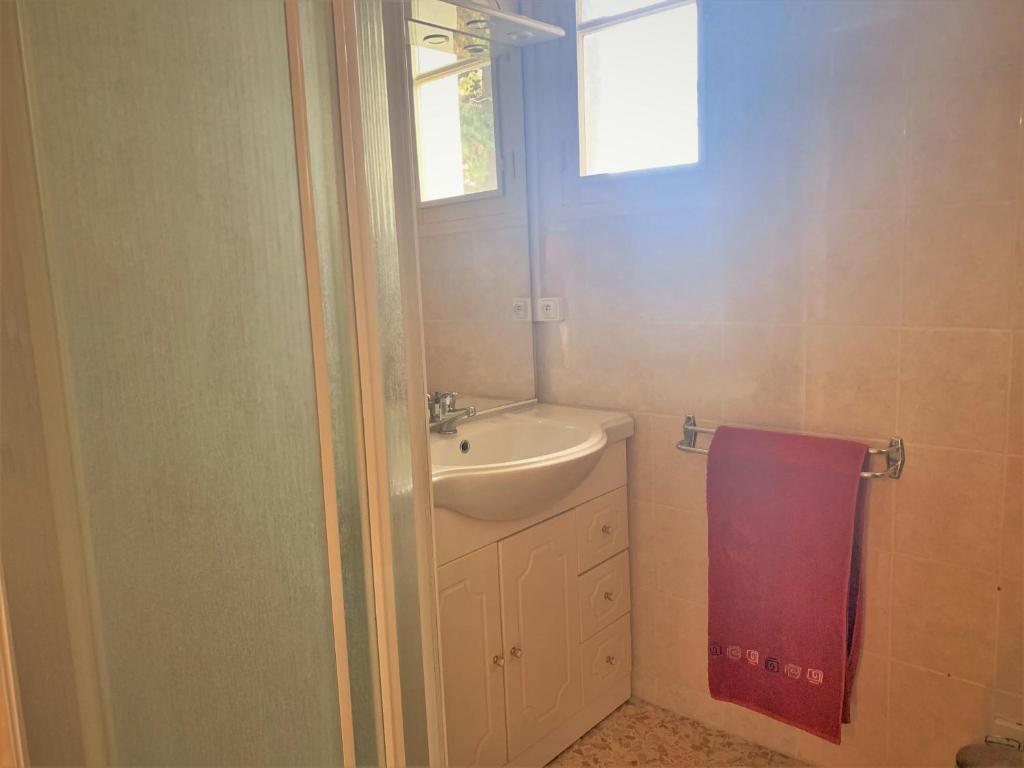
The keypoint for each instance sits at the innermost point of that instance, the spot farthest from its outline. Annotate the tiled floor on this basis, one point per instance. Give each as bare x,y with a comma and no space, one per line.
638,733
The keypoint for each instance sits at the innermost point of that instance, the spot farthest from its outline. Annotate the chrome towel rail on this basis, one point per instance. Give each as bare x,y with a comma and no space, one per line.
895,454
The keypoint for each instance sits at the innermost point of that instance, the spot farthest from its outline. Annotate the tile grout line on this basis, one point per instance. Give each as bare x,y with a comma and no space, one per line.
769,323
944,675
892,551
998,618
1018,235
904,246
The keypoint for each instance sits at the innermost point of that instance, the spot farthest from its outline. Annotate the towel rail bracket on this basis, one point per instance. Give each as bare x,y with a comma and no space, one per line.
895,452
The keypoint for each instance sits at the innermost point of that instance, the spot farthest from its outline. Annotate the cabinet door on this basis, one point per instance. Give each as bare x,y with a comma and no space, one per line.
539,610
471,654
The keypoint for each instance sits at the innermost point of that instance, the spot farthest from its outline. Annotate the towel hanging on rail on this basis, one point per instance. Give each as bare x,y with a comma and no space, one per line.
784,594
895,454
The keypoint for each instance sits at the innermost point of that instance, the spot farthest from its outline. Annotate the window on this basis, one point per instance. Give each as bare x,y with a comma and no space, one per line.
638,84
454,115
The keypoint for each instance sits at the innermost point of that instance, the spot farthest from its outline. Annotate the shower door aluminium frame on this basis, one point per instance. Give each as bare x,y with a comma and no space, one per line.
12,728
380,210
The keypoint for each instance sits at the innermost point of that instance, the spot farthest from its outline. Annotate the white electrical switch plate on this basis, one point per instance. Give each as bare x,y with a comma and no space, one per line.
521,309
550,309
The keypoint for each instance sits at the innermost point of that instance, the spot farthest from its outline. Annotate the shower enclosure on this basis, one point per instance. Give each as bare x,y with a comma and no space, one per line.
209,497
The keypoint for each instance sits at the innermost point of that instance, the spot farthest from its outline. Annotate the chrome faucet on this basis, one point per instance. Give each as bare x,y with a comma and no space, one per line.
444,416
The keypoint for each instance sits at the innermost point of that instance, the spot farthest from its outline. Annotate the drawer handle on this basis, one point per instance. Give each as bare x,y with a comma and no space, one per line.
498,661
609,596
607,530
611,661
516,652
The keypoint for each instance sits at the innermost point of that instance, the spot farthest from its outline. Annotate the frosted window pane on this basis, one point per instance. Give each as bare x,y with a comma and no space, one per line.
596,9
639,81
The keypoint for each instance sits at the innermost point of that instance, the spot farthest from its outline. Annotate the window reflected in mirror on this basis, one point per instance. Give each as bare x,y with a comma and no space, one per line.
455,124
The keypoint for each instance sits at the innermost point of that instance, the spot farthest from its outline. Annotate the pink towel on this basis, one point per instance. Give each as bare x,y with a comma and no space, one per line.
784,575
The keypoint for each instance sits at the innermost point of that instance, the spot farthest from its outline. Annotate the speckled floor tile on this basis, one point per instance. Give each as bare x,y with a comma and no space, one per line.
638,733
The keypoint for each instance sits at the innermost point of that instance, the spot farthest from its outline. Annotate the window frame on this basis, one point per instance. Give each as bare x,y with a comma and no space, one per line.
583,28
455,69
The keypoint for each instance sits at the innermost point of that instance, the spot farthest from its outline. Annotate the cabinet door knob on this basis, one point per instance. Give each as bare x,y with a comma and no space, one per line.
498,661
516,651
611,661
607,530
609,596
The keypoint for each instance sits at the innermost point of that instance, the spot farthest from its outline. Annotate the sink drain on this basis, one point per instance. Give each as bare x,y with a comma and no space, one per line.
464,446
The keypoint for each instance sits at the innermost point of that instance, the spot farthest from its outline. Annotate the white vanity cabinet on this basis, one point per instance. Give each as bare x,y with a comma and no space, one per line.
535,636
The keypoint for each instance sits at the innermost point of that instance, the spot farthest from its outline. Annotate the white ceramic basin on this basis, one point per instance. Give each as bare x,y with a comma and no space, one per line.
501,467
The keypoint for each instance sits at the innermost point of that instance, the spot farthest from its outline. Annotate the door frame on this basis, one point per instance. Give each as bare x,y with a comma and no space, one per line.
12,727
380,197
19,165
381,232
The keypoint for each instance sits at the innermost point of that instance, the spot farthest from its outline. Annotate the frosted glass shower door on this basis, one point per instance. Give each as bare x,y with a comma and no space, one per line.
196,251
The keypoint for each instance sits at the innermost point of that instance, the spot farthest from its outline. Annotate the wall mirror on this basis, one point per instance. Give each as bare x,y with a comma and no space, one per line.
467,97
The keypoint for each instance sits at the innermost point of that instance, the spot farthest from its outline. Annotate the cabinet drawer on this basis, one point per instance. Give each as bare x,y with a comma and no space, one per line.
604,595
602,528
607,658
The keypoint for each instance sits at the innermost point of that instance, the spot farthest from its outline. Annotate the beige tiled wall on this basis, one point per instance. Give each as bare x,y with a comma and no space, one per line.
848,261
469,278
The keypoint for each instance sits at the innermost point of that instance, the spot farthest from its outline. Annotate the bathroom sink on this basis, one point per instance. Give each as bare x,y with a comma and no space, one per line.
502,466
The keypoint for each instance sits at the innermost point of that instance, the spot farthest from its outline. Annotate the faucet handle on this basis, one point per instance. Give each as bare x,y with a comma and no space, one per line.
435,405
